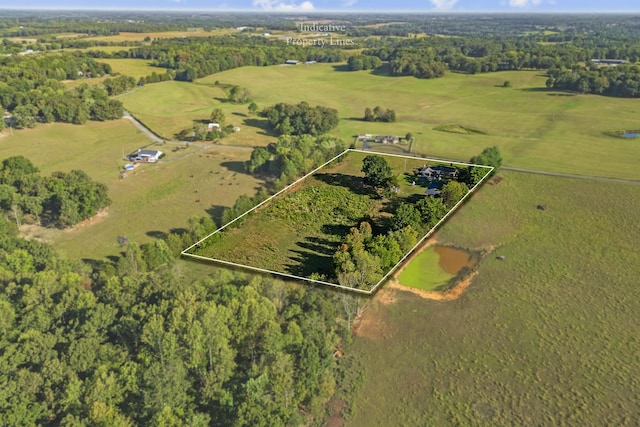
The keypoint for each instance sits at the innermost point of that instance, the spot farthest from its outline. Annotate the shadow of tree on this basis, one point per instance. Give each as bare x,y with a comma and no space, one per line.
353,183
237,167
157,234
215,212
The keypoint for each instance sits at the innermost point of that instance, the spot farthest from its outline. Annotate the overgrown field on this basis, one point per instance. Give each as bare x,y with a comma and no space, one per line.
151,201
533,127
547,336
299,231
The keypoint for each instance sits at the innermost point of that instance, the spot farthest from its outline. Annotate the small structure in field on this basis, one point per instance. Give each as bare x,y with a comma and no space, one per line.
291,62
145,156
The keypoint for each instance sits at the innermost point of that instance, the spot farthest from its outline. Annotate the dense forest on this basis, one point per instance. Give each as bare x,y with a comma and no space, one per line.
126,343
32,89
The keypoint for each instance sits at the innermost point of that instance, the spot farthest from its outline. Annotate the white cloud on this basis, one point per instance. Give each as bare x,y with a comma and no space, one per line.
524,3
443,4
281,6
349,3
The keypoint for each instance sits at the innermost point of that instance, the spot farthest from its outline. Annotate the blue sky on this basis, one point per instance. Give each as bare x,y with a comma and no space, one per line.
345,5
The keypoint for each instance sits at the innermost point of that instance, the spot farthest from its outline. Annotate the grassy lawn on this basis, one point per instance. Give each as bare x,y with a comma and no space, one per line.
155,198
546,337
425,272
299,231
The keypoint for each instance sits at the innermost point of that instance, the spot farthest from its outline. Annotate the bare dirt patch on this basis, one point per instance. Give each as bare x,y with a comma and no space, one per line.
101,215
449,295
371,324
47,234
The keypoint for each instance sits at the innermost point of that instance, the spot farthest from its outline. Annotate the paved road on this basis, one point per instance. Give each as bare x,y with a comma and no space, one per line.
157,139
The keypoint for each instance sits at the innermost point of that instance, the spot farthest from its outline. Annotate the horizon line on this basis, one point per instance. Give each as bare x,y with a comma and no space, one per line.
511,11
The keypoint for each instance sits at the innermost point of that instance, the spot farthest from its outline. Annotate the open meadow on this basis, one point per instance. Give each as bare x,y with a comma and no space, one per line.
152,200
125,36
547,336
534,127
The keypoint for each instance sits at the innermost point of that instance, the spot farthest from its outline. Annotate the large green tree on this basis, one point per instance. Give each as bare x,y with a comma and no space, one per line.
377,171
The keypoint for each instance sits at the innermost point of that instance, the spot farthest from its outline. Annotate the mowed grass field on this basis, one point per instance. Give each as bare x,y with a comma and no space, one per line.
169,107
548,336
534,127
155,198
135,68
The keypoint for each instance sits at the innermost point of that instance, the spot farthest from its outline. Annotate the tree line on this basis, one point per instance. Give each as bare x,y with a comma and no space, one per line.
300,119
60,200
31,89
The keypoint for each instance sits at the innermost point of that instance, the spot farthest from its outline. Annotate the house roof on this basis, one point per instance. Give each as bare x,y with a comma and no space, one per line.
149,153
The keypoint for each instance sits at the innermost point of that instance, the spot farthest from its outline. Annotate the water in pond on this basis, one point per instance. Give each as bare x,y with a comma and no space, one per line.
453,260
631,134
434,267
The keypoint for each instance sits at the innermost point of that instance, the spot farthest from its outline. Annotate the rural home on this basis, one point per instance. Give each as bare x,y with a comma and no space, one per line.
387,139
291,62
438,172
146,156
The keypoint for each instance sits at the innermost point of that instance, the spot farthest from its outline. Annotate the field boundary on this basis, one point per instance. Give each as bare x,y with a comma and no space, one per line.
371,291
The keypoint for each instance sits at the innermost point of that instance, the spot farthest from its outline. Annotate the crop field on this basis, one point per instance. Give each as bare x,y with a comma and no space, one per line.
547,336
299,231
152,200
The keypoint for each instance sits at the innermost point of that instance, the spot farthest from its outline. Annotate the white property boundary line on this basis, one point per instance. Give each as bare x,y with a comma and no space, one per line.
335,285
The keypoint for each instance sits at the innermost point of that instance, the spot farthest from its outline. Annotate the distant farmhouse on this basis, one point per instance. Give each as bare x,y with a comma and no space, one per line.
145,156
291,62
612,62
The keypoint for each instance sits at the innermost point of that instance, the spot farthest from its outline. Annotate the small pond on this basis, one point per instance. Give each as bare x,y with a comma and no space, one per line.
434,267
631,135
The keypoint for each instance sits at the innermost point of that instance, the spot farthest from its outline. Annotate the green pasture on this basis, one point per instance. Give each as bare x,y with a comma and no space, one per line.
169,107
547,336
135,68
425,272
533,127
152,200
